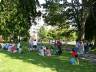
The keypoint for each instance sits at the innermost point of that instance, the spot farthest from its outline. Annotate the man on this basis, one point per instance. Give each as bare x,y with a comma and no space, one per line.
59,44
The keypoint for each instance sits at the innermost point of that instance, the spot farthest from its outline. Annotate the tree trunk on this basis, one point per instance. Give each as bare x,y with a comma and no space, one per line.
94,40
81,31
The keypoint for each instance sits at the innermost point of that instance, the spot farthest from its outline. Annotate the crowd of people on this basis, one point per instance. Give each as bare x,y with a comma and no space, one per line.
44,50
11,47
81,48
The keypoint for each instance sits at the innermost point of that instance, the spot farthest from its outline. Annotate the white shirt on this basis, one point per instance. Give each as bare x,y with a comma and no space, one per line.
18,45
34,42
77,44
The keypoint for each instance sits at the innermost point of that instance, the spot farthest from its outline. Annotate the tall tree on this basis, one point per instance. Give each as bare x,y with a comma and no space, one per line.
91,23
15,16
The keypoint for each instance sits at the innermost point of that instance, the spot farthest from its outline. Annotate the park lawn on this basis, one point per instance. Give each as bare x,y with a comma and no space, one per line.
32,62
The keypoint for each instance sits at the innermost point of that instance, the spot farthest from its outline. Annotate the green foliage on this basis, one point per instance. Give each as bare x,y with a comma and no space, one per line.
58,14
55,15
42,33
56,33
31,62
15,16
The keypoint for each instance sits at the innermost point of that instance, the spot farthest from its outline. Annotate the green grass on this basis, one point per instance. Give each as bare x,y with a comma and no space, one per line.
32,62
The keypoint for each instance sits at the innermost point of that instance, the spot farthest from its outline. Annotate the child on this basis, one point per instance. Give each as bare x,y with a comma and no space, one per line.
34,44
75,55
48,52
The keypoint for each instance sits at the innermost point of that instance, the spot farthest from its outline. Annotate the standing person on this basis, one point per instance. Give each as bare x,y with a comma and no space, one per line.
81,48
59,44
86,46
35,44
77,45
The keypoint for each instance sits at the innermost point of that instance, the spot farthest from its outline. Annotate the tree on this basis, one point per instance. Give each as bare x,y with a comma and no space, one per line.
42,33
15,16
55,15
81,12
91,24
75,12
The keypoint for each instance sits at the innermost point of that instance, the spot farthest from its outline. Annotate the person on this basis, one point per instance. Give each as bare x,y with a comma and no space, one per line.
77,45
9,48
81,48
59,44
12,48
41,51
6,46
75,56
19,47
86,46
72,61
35,44
48,52
44,48
74,53
91,46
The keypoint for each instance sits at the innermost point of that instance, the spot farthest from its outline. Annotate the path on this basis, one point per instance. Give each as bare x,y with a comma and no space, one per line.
90,57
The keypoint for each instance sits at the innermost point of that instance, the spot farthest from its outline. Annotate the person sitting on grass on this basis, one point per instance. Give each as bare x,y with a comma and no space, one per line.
41,51
48,52
12,48
9,47
74,58
72,61
6,45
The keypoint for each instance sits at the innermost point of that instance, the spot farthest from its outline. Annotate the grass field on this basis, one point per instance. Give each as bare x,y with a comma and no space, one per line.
32,62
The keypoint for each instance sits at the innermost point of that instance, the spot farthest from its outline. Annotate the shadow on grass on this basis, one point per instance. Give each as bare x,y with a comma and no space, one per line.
55,63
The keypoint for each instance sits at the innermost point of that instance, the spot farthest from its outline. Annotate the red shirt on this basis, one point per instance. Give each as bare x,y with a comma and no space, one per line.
74,53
